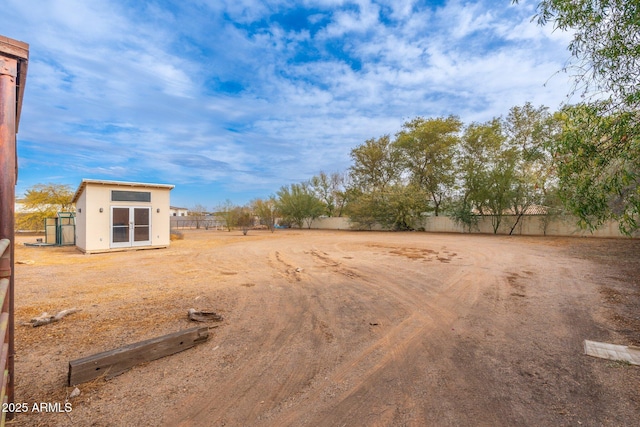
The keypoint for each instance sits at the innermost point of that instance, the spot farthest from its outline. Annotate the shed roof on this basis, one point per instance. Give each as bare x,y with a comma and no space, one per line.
84,183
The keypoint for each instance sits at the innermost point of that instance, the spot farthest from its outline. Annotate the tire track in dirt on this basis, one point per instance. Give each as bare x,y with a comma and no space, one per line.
245,384
447,303
336,266
292,273
400,343
294,316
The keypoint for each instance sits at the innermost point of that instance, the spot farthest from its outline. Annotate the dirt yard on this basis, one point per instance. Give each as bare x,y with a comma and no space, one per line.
338,329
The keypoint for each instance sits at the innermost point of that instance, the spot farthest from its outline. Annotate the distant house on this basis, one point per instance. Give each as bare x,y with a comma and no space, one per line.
20,207
116,215
176,211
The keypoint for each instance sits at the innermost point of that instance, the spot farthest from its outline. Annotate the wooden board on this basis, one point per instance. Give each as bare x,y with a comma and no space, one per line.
622,353
114,362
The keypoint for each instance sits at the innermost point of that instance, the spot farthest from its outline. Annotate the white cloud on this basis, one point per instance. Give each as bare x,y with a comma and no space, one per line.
177,89
359,20
463,18
401,9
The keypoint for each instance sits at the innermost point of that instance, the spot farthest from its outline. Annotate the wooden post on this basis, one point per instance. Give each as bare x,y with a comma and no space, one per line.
114,362
13,69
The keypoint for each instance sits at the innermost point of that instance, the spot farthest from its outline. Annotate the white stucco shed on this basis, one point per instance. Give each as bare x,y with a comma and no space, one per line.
115,215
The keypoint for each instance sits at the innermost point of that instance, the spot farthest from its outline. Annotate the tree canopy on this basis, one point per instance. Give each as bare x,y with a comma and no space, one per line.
43,201
229,213
198,212
266,211
375,164
330,189
605,46
434,165
599,179
298,205
427,148
598,149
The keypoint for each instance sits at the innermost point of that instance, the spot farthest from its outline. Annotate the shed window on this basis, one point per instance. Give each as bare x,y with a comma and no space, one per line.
130,196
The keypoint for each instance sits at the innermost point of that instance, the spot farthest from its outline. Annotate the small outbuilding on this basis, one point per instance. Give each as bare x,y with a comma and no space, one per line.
115,215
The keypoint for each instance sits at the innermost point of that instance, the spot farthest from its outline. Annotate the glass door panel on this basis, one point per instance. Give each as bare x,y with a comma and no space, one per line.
141,226
130,226
120,235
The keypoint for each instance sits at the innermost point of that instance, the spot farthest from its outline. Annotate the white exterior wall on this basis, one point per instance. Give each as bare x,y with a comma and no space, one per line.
178,211
81,223
160,221
93,228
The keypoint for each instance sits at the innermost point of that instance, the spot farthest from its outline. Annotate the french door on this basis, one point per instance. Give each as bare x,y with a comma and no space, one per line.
130,226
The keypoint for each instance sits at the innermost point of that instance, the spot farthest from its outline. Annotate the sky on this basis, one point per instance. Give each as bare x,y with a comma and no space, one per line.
233,99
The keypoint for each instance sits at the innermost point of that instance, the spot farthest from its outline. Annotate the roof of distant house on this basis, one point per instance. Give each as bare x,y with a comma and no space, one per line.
528,210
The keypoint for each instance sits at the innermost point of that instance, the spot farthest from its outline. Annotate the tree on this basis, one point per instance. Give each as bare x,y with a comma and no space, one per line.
597,182
462,213
376,164
486,167
399,207
472,162
597,154
198,212
403,206
244,218
342,191
606,57
267,211
362,209
528,131
228,212
554,209
43,201
299,205
330,190
427,147
378,194
501,179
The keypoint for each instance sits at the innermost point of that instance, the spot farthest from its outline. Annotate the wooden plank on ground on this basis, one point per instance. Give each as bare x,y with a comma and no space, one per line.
623,353
114,362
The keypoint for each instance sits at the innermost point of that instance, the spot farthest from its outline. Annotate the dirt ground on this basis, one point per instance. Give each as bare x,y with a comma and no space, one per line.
338,328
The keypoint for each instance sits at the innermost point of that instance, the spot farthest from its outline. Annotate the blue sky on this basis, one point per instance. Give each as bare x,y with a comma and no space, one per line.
231,99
